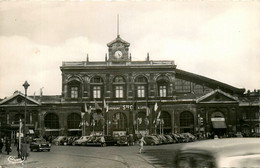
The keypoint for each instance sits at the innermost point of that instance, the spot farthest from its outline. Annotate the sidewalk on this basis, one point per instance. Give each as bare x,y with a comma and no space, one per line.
10,160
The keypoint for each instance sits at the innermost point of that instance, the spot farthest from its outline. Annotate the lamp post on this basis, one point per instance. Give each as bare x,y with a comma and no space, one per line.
25,85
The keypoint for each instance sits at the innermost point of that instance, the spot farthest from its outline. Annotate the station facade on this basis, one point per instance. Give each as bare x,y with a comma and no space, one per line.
121,96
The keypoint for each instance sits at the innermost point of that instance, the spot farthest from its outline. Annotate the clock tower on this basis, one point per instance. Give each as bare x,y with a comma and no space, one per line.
118,50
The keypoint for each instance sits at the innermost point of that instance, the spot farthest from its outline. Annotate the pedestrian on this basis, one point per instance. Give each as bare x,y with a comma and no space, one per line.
24,151
1,144
141,144
7,146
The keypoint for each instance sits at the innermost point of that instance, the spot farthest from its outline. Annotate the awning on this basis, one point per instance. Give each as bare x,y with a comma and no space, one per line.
219,124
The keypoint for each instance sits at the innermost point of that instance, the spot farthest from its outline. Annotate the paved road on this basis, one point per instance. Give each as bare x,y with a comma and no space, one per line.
111,156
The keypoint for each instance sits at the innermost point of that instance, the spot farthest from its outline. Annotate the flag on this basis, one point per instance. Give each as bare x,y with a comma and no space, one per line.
105,105
155,107
148,111
82,114
87,110
96,105
159,114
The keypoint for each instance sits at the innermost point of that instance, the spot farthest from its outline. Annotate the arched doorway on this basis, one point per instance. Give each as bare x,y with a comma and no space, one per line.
186,122
51,123
167,122
218,122
73,122
119,123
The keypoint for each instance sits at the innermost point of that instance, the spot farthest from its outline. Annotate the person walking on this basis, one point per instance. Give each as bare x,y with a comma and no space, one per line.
7,146
24,151
1,144
141,144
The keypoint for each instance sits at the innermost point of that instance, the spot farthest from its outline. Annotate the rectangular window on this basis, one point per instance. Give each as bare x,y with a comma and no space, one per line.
74,92
162,90
96,92
140,91
119,92
257,115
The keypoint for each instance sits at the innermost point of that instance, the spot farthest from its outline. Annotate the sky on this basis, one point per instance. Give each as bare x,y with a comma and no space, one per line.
216,39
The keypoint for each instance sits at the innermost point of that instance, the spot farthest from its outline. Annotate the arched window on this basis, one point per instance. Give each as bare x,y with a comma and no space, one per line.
186,122
73,121
51,121
96,87
119,87
74,89
186,118
217,115
141,87
17,118
198,89
166,118
119,121
162,83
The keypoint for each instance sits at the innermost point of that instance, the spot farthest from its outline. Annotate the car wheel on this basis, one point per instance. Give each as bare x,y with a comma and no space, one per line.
56,143
31,149
48,150
152,144
83,144
104,144
128,144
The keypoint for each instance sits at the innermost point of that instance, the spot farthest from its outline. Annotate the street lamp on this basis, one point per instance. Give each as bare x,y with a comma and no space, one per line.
25,85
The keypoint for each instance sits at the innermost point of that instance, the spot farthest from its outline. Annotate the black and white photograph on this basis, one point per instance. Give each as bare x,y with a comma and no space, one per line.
129,83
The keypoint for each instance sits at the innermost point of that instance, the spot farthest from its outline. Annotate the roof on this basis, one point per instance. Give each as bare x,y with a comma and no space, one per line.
118,39
232,98
210,81
21,94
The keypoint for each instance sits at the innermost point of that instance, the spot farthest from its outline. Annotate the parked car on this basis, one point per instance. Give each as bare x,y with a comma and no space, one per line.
70,140
169,138
189,137
59,140
81,141
96,141
123,140
40,144
227,152
151,140
110,140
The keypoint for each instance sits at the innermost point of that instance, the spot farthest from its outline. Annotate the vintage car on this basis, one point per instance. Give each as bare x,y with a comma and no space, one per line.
151,140
40,144
81,141
123,140
228,152
59,140
96,141
110,140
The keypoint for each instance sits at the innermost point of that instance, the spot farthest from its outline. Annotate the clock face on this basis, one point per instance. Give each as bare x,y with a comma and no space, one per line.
118,54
